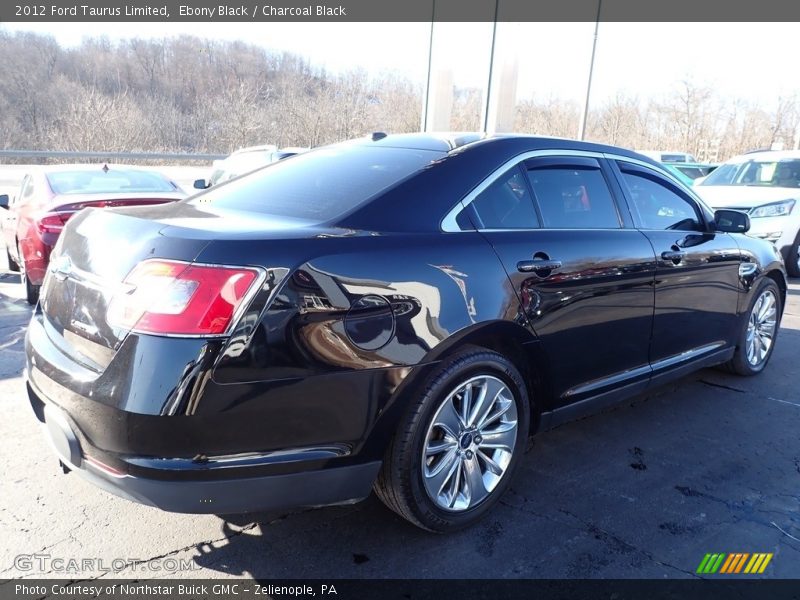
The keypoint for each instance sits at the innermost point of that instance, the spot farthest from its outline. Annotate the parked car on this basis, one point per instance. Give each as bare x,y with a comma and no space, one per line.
678,174
397,312
50,196
245,161
692,170
669,157
766,185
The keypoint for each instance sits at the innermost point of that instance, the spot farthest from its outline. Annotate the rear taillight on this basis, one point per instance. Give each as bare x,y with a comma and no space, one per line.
52,222
176,298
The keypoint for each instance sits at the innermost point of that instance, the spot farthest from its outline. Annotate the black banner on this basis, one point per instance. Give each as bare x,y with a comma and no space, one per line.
394,589
398,10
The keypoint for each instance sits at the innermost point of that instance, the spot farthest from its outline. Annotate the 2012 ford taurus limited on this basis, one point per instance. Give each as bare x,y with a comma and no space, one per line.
396,313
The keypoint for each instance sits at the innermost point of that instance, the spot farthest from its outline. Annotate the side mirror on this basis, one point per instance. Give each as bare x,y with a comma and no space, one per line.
4,201
731,221
201,184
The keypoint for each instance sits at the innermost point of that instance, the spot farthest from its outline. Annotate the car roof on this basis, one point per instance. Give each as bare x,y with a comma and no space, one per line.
262,148
462,161
296,149
766,155
465,141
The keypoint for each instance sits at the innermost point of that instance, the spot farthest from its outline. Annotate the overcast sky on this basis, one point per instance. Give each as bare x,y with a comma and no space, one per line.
750,61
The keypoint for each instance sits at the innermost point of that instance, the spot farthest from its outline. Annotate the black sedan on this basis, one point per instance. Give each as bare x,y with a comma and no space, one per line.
396,313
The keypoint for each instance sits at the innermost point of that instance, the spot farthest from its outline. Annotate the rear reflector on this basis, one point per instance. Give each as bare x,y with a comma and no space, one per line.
177,298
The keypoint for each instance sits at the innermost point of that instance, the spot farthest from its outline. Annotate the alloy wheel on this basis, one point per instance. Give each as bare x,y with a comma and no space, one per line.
761,327
470,443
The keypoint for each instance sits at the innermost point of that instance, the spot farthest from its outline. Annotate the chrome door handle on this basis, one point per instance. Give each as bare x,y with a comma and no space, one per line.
537,265
675,256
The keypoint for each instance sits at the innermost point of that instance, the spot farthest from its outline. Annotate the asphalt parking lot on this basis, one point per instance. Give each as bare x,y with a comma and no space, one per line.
708,464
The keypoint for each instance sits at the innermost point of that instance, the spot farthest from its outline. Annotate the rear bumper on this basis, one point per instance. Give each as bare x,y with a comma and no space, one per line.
216,492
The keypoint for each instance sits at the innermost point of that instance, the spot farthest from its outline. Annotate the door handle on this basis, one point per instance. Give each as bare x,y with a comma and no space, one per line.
675,256
538,265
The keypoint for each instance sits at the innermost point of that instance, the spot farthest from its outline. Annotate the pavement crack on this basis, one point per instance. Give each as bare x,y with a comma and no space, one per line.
227,537
598,532
789,535
606,536
722,386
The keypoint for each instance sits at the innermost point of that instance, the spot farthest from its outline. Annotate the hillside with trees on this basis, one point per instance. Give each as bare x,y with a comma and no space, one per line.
189,94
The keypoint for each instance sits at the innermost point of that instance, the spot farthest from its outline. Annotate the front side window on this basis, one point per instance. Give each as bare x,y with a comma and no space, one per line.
505,204
573,198
27,187
658,206
23,190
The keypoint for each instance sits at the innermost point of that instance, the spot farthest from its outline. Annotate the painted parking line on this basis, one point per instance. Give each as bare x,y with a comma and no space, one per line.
784,401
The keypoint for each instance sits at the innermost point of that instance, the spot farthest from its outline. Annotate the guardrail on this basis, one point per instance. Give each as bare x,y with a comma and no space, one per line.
172,156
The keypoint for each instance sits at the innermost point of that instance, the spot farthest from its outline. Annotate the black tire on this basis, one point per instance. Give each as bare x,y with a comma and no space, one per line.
31,290
12,266
400,482
792,258
739,364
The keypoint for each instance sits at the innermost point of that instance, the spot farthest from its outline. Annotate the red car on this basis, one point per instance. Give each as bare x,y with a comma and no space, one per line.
50,195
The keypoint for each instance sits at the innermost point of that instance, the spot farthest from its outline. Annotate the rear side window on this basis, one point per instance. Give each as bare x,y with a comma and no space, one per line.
573,198
505,204
319,185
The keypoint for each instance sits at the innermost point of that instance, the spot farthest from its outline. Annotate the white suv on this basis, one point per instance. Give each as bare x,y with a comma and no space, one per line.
766,185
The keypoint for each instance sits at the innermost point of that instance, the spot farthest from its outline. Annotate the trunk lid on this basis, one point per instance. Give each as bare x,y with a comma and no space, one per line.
100,247
94,254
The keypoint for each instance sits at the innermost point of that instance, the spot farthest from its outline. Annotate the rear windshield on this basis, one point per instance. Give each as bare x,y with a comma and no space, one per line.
112,181
319,185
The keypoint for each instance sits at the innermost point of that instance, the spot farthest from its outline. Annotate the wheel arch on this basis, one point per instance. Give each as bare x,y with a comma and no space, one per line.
513,341
780,280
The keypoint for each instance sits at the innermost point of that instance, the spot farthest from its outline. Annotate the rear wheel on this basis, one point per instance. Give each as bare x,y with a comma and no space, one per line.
456,451
759,330
31,290
12,266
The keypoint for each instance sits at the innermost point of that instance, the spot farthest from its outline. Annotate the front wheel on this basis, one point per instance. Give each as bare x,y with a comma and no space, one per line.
757,337
454,454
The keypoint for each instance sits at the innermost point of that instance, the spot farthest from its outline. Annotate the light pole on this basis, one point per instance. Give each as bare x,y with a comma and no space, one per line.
426,99
491,68
582,125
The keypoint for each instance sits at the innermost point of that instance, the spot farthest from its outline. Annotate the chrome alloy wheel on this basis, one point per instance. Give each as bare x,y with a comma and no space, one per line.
761,327
470,443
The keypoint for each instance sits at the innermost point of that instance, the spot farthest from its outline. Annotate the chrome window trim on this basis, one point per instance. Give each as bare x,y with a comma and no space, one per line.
449,224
